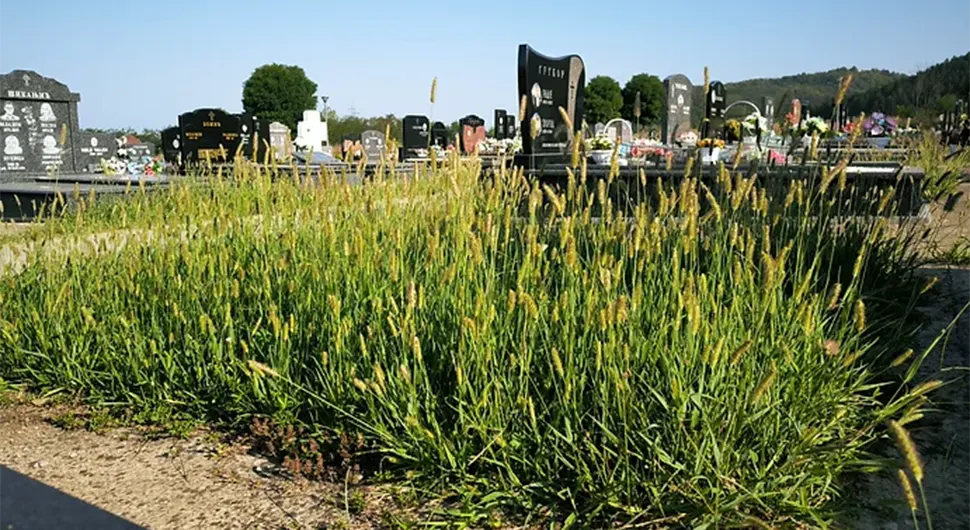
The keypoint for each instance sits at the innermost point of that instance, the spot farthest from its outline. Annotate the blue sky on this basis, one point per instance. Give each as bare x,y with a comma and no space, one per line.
139,64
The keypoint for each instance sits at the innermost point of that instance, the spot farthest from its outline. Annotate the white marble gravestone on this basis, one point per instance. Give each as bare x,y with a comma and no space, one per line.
311,133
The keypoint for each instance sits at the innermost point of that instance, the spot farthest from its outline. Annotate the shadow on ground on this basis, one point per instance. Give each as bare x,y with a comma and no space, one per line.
26,504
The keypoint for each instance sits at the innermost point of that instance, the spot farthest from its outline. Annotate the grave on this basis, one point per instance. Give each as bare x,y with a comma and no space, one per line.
350,145
140,150
172,146
714,110
768,110
92,148
38,123
374,145
472,132
510,128
676,110
439,135
416,134
501,129
599,129
311,132
548,83
209,134
279,140
619,129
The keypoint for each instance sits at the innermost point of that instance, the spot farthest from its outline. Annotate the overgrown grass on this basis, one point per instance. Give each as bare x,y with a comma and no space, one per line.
710,357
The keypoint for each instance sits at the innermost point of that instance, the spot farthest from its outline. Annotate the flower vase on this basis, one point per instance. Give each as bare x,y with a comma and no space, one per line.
601,156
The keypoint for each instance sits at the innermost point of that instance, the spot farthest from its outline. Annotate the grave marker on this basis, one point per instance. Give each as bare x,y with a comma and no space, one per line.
549,83
36,114
416,134
211,134
472,132
768,110
373,142
501,127
619,129
92,148
279,140
172,146
714,111
439,135
678,91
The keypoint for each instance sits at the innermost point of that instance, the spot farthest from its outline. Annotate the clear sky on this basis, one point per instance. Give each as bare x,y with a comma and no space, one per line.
141,63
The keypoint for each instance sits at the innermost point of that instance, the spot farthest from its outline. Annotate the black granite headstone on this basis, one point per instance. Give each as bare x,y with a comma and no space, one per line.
210,134
676,113
92,148
439,135
714,111
373,142
472,132
501,127
38,124
172,145
549,83
247,134
415,134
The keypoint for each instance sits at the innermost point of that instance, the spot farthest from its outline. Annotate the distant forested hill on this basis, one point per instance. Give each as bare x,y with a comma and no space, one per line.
817,89
930,91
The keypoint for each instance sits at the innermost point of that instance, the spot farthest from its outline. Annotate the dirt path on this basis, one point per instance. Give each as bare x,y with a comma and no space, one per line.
165,484
943,436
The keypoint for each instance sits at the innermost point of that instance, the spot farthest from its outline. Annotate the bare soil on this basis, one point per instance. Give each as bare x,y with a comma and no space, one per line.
175,483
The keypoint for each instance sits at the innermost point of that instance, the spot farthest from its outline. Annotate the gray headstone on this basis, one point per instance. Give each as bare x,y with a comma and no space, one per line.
768,109
621,129
36,113
599,129
279,139
92,148
676,111
373,142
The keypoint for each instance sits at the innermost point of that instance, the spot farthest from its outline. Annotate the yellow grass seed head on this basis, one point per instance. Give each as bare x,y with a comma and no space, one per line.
362,386
907,489
765,384
844,84
434,89
260,368
906,446
834,296
523,104
860,315
416,349
902,358
557,363
926,388
736,356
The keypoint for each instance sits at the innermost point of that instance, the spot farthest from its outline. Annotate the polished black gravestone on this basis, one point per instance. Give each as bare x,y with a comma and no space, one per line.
172,145
416,134
472,130
548,83
676,110
38,124
501,129
209,134
439,135
92,148
373,143
714,109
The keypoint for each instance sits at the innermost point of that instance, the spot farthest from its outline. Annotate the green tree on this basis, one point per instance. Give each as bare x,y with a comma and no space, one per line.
277,92
651,90
603,100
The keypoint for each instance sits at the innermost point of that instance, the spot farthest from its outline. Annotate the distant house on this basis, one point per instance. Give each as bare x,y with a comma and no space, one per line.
131,139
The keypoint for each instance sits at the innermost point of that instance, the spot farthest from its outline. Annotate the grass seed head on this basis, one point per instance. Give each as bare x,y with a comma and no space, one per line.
906,446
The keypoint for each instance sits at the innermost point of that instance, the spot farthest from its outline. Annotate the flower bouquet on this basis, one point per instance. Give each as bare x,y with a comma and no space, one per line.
813,126
717,143
753,122
600,149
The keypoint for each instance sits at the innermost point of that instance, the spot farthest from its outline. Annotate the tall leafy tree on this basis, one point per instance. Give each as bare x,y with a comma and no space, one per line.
603,99
651,90
278,92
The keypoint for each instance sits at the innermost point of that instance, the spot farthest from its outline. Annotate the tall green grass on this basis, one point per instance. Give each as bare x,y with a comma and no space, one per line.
709,357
